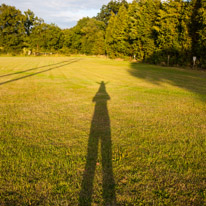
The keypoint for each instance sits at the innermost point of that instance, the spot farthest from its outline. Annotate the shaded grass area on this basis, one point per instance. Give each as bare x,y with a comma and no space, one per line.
188,79
148,141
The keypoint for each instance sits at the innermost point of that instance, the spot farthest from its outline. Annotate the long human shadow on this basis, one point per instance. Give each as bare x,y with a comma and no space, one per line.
27,70
33,74
100,131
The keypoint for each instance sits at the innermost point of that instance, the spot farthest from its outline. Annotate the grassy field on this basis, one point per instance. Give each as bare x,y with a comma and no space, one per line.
94,131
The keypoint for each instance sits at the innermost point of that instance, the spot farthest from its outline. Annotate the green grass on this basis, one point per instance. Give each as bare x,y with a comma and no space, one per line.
152,133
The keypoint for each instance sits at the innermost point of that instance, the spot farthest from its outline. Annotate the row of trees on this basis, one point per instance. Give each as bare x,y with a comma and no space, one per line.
20,32
154,31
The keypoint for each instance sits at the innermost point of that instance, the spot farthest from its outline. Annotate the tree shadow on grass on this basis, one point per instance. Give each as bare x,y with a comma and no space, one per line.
100,131
27,70
61,64
190,80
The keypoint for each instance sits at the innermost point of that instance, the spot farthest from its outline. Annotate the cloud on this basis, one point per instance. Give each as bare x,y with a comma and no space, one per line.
75,16
64,13
77,4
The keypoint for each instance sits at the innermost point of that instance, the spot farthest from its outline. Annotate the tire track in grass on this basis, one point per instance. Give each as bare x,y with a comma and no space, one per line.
36,73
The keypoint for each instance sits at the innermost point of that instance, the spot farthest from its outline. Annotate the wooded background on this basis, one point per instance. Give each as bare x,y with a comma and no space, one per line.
154,31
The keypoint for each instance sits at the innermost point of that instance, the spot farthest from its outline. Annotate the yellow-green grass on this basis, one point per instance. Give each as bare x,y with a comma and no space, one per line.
155,123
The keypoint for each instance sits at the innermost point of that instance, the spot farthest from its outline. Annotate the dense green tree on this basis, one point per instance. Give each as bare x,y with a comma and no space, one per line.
133,33
67,41
36,37
166,28
75,36
12,31
87,37
142,16
195,25
29,21
110,38
184,36
46,37
116,34
112,7
202,34
93,37
197,31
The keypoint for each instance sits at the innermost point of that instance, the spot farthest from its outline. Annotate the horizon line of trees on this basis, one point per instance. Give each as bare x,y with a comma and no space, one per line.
168,32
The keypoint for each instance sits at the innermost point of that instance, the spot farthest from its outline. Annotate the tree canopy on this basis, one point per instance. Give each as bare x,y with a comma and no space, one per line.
152,31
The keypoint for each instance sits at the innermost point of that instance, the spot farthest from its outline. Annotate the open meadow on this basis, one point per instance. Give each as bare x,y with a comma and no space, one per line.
95,131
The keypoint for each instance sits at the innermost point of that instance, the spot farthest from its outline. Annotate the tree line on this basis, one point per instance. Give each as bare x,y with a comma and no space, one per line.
160,32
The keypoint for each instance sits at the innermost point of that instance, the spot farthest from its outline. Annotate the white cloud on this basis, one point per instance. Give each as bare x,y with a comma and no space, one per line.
75,16
64,13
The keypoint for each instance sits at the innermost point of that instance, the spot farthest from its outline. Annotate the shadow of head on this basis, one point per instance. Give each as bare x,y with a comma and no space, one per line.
101,95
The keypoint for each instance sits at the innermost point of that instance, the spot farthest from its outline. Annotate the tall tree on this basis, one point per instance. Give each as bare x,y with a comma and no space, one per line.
110,38
46,37
93,37
29,21
75,36
116,37
142,16
87,37
202,34
166,29
198,23
112,7
12,31
185,40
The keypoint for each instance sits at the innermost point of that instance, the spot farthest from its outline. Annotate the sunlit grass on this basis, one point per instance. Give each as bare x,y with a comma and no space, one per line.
158,131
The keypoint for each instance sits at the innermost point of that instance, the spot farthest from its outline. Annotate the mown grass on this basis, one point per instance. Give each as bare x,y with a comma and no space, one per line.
155,123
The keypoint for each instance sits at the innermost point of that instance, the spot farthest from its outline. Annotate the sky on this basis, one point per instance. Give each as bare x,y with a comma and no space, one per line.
64,13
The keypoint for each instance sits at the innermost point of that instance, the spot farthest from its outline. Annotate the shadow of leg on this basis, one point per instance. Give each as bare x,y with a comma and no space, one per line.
85,197
107,171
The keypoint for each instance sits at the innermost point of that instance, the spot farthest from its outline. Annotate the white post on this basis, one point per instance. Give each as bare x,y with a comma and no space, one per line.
194,60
